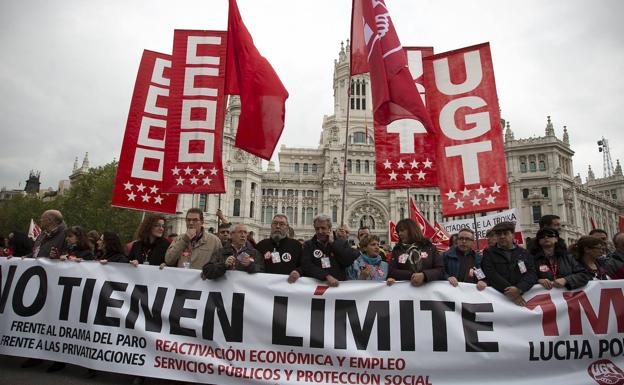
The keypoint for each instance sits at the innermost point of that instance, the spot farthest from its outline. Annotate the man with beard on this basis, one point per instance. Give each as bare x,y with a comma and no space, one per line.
281,254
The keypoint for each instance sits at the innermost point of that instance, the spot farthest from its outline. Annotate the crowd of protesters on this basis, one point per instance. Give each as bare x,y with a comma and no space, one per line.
327,256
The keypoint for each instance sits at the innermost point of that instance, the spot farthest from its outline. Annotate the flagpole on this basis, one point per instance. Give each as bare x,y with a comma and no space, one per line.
408,200
474,217
344,169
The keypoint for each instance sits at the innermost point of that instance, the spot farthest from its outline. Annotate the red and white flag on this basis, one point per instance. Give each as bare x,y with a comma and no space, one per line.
138,184
592,222
33,230
375,48
462,101
263,96
404,152
393,235
415,214
441,238
196,113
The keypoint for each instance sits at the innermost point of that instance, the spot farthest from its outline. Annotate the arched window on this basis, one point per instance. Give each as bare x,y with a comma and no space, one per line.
349,168
525,193
238,184
357,166
335,214
296,168
305,168
314,168
359,138
251,209
367,166
236,210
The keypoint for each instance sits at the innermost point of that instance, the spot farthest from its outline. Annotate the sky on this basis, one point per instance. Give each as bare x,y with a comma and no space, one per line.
68,67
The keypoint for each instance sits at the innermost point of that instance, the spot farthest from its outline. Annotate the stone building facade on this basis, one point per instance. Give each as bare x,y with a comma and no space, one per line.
309,180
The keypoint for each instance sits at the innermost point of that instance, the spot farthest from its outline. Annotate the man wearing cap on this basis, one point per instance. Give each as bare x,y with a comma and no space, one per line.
509,268
238,254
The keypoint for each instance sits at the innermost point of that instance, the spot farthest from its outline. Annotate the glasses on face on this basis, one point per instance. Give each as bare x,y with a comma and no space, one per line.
279,224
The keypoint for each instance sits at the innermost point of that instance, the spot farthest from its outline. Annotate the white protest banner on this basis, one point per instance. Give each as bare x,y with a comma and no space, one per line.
260,329
485,223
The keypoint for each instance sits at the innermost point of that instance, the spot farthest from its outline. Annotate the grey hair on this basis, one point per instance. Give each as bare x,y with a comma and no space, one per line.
281,216
323,218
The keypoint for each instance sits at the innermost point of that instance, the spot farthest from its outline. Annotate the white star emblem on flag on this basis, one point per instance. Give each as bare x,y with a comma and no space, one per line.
180,181
393,175
145,198
421,174
450,195
495,188
414,164
140,187
459,204
207,180
158,199
476,201
128,186
427,163
194,180
387,164
201,171
407,176
175,170
154,189
489,199
213,171
400,163
466,192
131,196
188,170
481,190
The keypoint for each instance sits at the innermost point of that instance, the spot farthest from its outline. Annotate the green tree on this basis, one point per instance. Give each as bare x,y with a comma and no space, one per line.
86,204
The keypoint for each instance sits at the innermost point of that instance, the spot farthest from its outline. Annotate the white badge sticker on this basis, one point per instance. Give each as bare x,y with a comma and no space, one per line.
479,273
318,253
402,258
325,264
522,267
275,257
286,257
267,255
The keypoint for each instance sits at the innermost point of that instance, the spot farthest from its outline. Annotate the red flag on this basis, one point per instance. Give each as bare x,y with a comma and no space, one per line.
441,236
404,155
263,96
33,230
393,236
138,183
375,48
427,230
621,223
193,161
461,97
592,222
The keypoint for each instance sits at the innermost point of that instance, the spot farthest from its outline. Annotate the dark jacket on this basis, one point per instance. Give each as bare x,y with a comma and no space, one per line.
607,268
617,255
420,259
115,257
340,255
154,253
86,254
461,266
502,270
560,265
47,240
216,268
289,251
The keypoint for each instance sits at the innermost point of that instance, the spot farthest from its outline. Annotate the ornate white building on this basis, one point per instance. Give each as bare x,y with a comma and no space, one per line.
309,181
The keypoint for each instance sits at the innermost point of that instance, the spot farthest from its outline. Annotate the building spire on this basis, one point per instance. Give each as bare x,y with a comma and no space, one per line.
618,169
75,165
85,163
566,137
590,174
509,135
550,130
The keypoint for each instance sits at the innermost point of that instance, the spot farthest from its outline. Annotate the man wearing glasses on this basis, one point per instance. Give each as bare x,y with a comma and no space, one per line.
196,247
281,254
509,268
462,263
